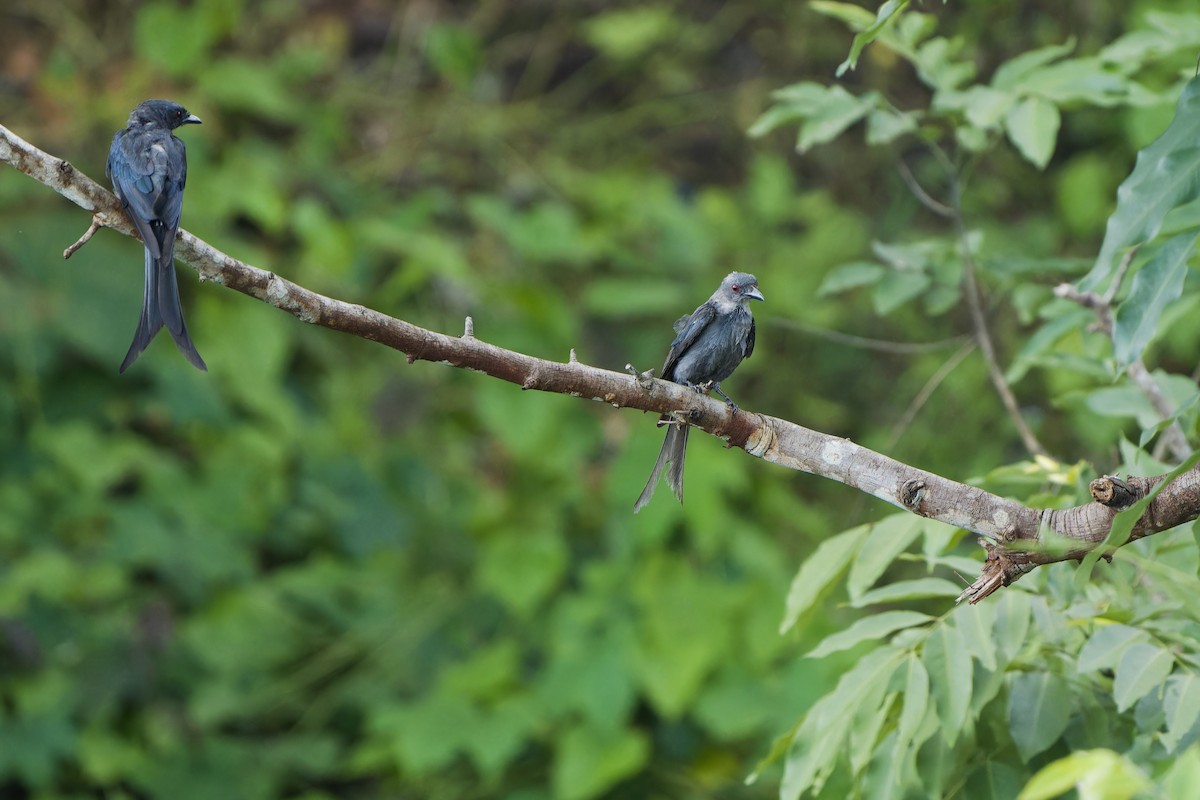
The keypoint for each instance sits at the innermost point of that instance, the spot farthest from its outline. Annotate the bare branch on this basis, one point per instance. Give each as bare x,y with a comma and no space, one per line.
927,391
867,343
1001,520
87,235
926,199
975,306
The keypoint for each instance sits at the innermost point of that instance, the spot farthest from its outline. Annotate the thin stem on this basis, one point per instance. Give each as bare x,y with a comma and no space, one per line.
978,320
927,391
868,343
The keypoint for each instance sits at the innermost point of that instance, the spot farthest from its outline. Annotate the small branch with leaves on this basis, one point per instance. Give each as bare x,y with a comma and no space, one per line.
1010,529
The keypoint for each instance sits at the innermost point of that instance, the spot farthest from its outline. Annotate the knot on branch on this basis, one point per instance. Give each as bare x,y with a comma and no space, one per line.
1111,491
643,379
912,492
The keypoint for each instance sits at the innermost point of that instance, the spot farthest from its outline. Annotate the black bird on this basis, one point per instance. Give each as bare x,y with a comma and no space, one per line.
709,344
147,165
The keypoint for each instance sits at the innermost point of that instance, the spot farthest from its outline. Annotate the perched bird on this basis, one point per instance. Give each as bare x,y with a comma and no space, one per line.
709,344
147,165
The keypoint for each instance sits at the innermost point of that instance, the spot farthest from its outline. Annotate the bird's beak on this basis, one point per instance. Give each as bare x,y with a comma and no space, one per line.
192,120
754,294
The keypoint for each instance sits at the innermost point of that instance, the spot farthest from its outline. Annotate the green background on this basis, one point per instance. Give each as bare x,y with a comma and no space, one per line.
318,571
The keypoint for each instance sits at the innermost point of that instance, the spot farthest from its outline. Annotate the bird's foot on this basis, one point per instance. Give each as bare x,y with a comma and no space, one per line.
716,387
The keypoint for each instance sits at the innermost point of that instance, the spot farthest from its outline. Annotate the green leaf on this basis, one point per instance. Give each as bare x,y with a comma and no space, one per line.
864,37
889,538
897,288
950,674
454,52
819,740
588,762
822,568
1167,174
522,568
1143,668
850,276
1104,648
856,17
171,36
1010,74
1158,283
1032,125
876,626
916,699
885,125
1182,707
1039,708
1183,776
915,589
625,34
974,624
994,780
824,111
1012,623
1096,774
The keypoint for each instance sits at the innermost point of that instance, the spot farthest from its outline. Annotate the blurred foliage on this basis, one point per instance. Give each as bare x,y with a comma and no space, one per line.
317,571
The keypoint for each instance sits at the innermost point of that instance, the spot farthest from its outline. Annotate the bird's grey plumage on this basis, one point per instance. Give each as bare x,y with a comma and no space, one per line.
147,165
708,346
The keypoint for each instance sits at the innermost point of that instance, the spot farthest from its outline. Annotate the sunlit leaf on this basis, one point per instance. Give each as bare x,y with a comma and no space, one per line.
1096,774
1167,174
1032,125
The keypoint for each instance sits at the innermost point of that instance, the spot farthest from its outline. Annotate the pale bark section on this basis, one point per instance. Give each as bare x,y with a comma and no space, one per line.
778,441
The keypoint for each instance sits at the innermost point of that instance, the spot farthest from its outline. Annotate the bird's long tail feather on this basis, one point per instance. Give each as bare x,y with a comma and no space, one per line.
673,452
171,311
161,308
150,321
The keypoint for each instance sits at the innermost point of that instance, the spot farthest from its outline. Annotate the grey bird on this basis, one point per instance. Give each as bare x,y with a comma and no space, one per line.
147,165
709,344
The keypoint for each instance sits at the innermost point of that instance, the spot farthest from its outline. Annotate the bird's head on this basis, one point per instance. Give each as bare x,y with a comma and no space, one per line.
739,287
162,112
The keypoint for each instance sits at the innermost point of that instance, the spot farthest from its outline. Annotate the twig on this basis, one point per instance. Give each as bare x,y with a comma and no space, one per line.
978,320
927,391
914,186
867,343
87,235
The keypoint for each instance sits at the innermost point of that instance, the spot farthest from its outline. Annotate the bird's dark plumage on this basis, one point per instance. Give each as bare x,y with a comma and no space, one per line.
147,165
708,346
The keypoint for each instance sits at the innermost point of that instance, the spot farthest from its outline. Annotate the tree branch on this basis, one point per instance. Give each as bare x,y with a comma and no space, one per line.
1002,521
1173,436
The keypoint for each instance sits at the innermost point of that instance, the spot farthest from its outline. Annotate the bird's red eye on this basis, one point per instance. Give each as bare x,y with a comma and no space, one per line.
737,288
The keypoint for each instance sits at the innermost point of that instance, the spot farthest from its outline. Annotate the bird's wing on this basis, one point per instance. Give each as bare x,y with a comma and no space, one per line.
147,170
687,333
750,340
